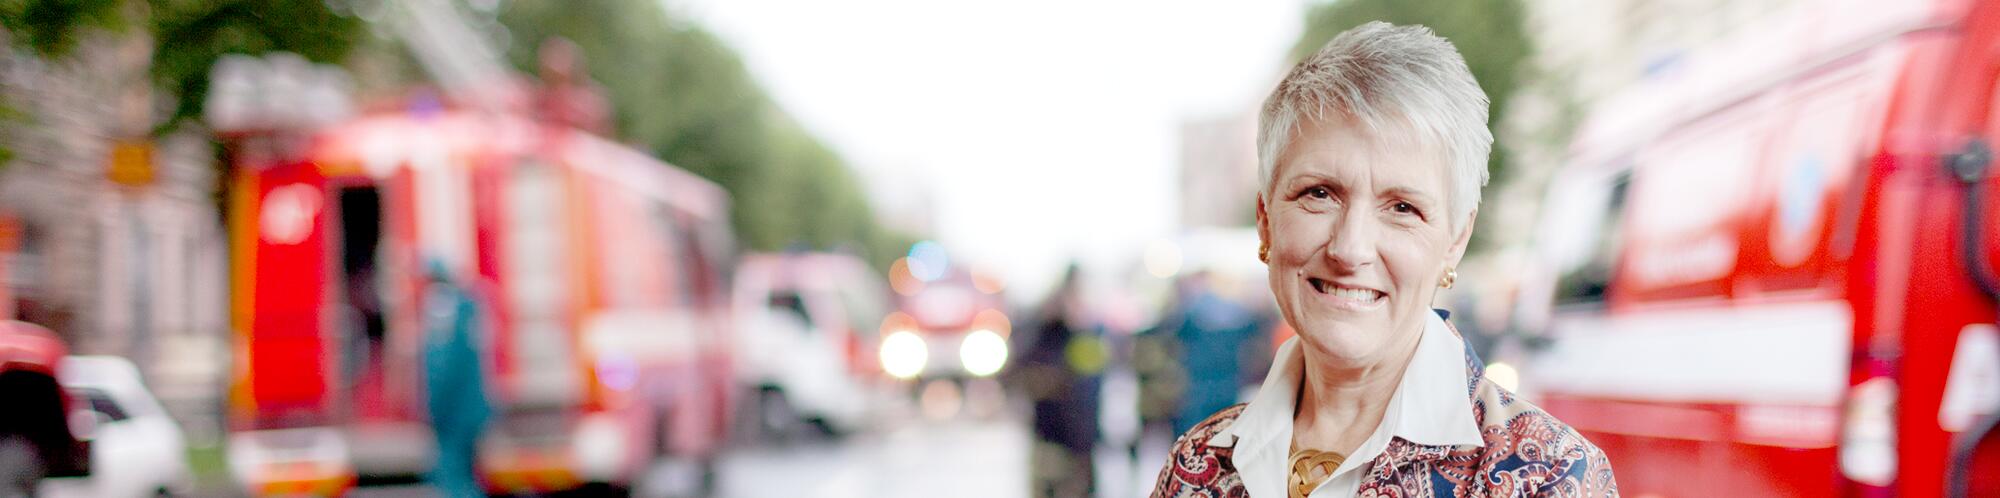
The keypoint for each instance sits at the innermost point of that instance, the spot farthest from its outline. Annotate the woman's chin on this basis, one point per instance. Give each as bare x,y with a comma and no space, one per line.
1343,343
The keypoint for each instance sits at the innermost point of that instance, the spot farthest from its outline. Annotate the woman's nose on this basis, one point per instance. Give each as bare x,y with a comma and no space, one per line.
1353,244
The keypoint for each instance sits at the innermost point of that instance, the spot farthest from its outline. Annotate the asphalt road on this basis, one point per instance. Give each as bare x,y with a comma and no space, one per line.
964,457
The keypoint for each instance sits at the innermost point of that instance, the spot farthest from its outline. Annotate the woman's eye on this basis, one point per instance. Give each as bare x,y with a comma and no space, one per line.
1405,208
1319,193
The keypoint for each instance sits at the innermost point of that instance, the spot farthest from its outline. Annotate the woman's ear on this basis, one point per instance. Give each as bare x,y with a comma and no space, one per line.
1263,223
1464,239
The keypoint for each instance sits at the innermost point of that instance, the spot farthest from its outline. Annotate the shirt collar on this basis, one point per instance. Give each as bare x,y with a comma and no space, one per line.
1427,409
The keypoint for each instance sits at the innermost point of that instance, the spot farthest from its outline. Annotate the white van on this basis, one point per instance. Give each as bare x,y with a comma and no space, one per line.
807,339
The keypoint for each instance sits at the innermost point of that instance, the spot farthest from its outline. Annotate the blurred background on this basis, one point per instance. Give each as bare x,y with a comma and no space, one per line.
760,248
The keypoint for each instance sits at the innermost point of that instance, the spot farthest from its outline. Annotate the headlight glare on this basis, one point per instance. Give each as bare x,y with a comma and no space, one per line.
982,353
904,355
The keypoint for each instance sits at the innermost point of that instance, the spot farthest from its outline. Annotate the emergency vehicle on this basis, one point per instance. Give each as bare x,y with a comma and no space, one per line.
951,327
1767,271
598,270
807,338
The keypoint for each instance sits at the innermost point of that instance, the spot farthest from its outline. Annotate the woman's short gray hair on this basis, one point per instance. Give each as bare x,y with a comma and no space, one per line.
1387,77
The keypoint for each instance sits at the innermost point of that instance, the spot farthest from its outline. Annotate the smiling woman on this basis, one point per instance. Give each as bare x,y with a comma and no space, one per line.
1372,152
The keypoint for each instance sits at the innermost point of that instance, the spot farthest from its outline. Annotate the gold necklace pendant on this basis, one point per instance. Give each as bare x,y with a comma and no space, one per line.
1310,468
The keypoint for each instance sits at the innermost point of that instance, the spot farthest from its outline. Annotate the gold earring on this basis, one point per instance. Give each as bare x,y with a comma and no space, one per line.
1264,252
1450,277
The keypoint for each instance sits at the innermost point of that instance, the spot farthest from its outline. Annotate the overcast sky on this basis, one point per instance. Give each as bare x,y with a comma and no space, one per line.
1032,131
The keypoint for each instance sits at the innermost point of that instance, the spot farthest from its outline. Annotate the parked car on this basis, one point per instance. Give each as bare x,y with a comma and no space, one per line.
137,449
36,436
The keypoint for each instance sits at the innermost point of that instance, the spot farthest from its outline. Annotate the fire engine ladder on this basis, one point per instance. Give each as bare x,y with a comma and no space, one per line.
461,61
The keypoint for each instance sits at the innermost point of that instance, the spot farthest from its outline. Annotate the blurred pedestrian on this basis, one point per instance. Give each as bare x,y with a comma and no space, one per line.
1059,370
1156,353
1213,331
454,376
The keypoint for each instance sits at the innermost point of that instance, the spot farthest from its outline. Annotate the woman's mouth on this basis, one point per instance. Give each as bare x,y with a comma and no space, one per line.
1356,298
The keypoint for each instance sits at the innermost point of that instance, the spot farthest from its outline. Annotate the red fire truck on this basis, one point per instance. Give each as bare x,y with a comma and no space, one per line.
598,269
1767,271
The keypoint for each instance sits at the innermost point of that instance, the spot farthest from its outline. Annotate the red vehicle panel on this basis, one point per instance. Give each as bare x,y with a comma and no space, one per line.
1751,276
596,267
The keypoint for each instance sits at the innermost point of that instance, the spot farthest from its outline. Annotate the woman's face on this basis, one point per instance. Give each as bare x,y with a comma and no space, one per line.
1360,234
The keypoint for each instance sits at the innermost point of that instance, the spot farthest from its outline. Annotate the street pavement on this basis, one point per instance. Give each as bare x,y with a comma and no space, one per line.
969,458
983,457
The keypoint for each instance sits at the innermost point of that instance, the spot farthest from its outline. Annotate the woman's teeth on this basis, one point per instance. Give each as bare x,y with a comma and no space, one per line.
1363,295
1348,293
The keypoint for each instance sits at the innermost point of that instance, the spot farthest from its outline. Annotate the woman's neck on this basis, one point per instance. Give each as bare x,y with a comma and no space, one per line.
1340,406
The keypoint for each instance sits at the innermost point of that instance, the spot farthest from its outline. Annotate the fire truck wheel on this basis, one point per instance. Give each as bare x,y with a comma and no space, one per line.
776,420
603,490
21,467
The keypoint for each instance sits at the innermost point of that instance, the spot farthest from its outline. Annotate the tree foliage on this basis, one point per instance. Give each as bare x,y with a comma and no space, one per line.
1491,34
681,93
676,91
51,27
190,35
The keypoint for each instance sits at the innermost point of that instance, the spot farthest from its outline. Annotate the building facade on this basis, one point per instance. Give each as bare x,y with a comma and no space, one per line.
118,246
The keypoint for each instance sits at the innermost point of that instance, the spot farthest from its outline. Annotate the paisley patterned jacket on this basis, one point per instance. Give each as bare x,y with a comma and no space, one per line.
1527,453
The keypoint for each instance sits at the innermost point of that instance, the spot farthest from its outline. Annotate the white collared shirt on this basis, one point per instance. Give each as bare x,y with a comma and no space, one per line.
1430,407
